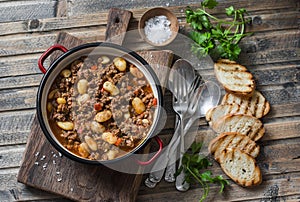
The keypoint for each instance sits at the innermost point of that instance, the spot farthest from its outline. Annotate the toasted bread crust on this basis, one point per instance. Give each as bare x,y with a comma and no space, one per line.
214,114
235,78
244,124
240,167
256,104
233,140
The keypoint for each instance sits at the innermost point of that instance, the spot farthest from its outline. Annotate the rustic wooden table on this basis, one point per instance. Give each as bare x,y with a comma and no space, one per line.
272,54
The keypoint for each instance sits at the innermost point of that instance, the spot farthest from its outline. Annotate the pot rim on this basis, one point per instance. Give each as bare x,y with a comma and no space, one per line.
41,93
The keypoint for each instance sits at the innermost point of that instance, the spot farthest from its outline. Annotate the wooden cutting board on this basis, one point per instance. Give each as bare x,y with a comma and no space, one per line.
44,168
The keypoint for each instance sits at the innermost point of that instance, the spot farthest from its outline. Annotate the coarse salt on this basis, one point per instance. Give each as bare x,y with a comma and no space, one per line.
157,29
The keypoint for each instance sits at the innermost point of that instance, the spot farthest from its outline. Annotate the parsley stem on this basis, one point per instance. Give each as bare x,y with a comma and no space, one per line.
204,185
193,174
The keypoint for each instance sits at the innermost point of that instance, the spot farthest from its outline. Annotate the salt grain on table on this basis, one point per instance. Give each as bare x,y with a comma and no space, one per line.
45,166
157,29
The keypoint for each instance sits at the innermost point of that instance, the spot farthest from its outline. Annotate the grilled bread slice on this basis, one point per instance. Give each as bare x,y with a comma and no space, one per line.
244,124
232,140
235,78
240,167
256,104
215,113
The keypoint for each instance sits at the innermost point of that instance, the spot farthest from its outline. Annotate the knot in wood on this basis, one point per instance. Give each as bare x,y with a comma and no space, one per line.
257,20
34,24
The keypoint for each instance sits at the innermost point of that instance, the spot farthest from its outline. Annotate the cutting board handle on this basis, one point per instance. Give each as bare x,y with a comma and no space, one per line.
117,24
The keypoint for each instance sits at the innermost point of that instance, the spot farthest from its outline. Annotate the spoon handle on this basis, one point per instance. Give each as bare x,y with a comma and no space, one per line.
181,184
171,167
173,154
157,171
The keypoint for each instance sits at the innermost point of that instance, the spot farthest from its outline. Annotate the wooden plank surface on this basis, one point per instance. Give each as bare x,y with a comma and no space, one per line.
272,54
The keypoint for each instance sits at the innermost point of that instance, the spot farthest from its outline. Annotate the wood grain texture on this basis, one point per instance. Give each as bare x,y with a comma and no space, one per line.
280,187
27,28
261,21
117,24
91,6
23,10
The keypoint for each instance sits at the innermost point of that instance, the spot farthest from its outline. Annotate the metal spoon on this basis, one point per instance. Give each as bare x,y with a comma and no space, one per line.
210,97
184,73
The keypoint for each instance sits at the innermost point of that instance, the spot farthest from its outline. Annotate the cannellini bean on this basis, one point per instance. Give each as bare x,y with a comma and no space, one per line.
103,116
91,143
97,127
61,100
138,105
109,137
126,115
66,73
52,93
111,154
49,106
120,64
135,71
83,98
66,125
104,59
82,86
145,121
111,88
83,150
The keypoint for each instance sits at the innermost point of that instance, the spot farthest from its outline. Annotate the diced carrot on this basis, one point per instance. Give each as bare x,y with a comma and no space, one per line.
118,142
154,101
129,87
94,67
97,106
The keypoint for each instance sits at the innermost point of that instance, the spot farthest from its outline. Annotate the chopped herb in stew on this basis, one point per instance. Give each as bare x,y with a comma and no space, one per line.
101,108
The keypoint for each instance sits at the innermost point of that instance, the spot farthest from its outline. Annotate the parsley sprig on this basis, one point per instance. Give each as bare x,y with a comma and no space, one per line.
215,36
193,163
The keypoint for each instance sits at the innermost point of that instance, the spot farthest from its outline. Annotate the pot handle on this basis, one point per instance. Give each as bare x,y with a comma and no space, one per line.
47,53
160,143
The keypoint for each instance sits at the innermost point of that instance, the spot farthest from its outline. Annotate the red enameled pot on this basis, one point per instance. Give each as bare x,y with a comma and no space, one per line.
67,58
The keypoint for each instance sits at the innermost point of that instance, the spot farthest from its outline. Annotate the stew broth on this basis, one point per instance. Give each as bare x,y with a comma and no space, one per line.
100,108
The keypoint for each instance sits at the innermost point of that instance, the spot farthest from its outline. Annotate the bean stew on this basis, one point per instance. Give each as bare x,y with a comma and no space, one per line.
100,107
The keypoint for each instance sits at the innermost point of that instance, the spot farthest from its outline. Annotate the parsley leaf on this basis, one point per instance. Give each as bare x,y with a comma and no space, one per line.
230,11
193,163
219,38
209,3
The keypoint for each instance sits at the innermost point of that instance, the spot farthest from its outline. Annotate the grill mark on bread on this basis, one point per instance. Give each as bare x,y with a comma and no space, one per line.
216,113
256,104
227,140
244,124
232,140
256,108
234,77
240,167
